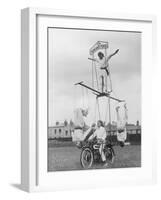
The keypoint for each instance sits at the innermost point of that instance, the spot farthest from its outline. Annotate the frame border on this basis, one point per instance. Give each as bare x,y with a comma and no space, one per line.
29,132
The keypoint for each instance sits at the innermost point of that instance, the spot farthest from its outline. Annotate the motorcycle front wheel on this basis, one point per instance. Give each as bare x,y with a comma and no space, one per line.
86,158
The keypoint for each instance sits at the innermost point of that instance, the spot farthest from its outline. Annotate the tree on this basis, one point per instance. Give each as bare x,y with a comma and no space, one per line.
71,123
65,123
57,123
137,123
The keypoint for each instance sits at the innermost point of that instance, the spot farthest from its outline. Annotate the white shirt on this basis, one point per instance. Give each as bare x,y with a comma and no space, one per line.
102,62
100,133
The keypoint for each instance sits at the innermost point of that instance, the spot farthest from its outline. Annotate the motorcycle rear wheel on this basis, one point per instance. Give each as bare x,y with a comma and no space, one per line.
110,156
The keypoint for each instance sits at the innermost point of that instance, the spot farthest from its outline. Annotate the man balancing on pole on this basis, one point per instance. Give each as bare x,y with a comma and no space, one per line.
104,62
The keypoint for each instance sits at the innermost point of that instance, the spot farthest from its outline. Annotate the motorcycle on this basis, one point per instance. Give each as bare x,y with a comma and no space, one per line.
90,154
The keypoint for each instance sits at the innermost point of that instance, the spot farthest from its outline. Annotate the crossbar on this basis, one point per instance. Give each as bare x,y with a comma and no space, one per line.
99,94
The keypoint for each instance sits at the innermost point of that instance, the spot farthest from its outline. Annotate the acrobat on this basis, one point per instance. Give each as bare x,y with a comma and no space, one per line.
81,130
121,125
104,62
79,122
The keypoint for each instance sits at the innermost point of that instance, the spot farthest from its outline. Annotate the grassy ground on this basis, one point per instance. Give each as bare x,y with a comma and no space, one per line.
68,158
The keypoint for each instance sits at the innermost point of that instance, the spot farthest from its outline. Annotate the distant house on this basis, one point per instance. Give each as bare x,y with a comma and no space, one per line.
131,128
60,131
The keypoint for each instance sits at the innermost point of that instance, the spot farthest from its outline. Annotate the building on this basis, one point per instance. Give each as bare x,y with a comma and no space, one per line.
64,130
131,128
60,131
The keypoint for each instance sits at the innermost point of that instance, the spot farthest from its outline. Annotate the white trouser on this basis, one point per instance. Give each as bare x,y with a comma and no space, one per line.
121,124
107,87
102,152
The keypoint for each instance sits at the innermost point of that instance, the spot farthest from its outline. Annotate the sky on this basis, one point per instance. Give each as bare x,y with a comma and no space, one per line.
68,63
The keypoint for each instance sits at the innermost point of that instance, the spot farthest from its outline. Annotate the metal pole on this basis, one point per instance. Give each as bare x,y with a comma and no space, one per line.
109,106
98,93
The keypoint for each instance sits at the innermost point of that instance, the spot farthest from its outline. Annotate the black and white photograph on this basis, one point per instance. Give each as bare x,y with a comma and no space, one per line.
94,99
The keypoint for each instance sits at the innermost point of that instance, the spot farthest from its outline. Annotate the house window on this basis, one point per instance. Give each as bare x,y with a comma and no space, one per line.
59,130
55,131
66,132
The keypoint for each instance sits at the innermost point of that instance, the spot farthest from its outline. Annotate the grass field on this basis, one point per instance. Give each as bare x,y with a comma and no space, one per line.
68,158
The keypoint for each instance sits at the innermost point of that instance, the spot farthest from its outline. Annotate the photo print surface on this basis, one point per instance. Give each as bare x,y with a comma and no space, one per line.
94,99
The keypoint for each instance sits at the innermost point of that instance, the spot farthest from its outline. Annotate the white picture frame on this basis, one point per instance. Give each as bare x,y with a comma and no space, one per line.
33,145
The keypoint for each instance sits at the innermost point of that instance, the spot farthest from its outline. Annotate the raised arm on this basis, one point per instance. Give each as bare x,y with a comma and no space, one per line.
110,56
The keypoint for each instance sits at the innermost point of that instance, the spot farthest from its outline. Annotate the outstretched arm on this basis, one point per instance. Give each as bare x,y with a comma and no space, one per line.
93,59
110,56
